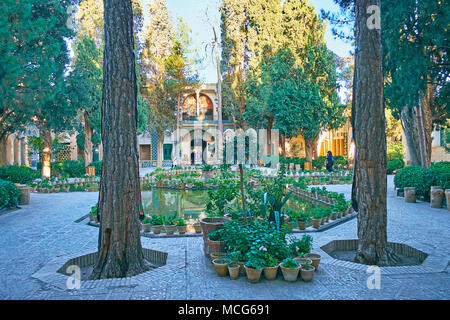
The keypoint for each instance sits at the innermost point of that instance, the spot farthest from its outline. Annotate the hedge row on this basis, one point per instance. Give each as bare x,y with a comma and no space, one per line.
16,174
423,179
9,194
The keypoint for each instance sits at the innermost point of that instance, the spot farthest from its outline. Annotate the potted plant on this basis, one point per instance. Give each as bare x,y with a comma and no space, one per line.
303,260
215,242
146,223
93,213
233,266
181,225
290,268
157,222
307,272
197,227
170,223
316,218
270,267
221,266
208,171
315,259
302,219
254,267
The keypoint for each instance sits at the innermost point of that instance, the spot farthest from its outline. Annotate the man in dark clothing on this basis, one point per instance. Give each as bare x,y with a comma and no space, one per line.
330,161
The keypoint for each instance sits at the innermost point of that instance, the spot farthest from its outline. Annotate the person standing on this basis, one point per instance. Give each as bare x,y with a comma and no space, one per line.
329,162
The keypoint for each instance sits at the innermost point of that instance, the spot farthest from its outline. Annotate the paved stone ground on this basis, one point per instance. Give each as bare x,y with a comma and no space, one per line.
39,233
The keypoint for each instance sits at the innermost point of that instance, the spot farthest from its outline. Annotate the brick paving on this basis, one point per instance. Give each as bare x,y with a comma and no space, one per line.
37,239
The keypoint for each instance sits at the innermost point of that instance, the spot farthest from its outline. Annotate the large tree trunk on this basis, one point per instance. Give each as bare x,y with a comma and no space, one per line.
177,156
3,150
309,149
160,150
119,244
269,135
417,124
370,140
46,151
88,154
219,159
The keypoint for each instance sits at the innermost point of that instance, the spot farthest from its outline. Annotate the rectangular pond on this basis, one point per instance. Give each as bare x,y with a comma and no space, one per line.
190,204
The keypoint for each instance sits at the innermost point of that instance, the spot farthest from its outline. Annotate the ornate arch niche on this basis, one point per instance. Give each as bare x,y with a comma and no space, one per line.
205,110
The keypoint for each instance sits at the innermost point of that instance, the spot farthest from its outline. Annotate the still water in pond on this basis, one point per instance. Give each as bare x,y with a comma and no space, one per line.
190,204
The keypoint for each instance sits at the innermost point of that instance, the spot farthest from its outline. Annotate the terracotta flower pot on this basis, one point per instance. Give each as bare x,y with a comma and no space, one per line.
241,267
217,255
270,273
147,227
290,275
307,274
197,228
216,246
316,223
301,225
303,261
253,275
170,229
315,258
181,229
233,270
209,225
221,266
157,229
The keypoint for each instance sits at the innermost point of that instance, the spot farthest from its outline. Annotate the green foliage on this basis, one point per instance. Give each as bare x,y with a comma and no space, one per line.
171,220
207,168
16,174
33,57
394,164
300,247
69,168
221,199
290,263
94,210
423,179
395,150
180,222
157,220
411,176
319,162
9,194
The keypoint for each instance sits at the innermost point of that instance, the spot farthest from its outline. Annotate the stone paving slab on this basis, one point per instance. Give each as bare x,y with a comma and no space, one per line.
36,240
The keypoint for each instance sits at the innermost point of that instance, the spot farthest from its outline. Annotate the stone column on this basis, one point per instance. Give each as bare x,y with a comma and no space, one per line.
3,151
17,151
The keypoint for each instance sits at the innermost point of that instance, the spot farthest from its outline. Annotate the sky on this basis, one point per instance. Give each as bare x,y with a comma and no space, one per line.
193,13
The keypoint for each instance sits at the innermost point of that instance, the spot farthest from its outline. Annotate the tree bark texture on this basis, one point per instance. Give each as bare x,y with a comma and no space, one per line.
370,140
160,150
46,151
88,154
309,150
119,244
3,150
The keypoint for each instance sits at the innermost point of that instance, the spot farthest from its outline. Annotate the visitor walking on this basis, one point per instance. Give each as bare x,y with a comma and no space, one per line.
329,162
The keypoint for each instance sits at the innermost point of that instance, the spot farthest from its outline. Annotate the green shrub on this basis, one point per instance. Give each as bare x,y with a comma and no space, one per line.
98,167
394,164
319,162
411,176
340,162
395,150
69,168
423,179
9,194
16,174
